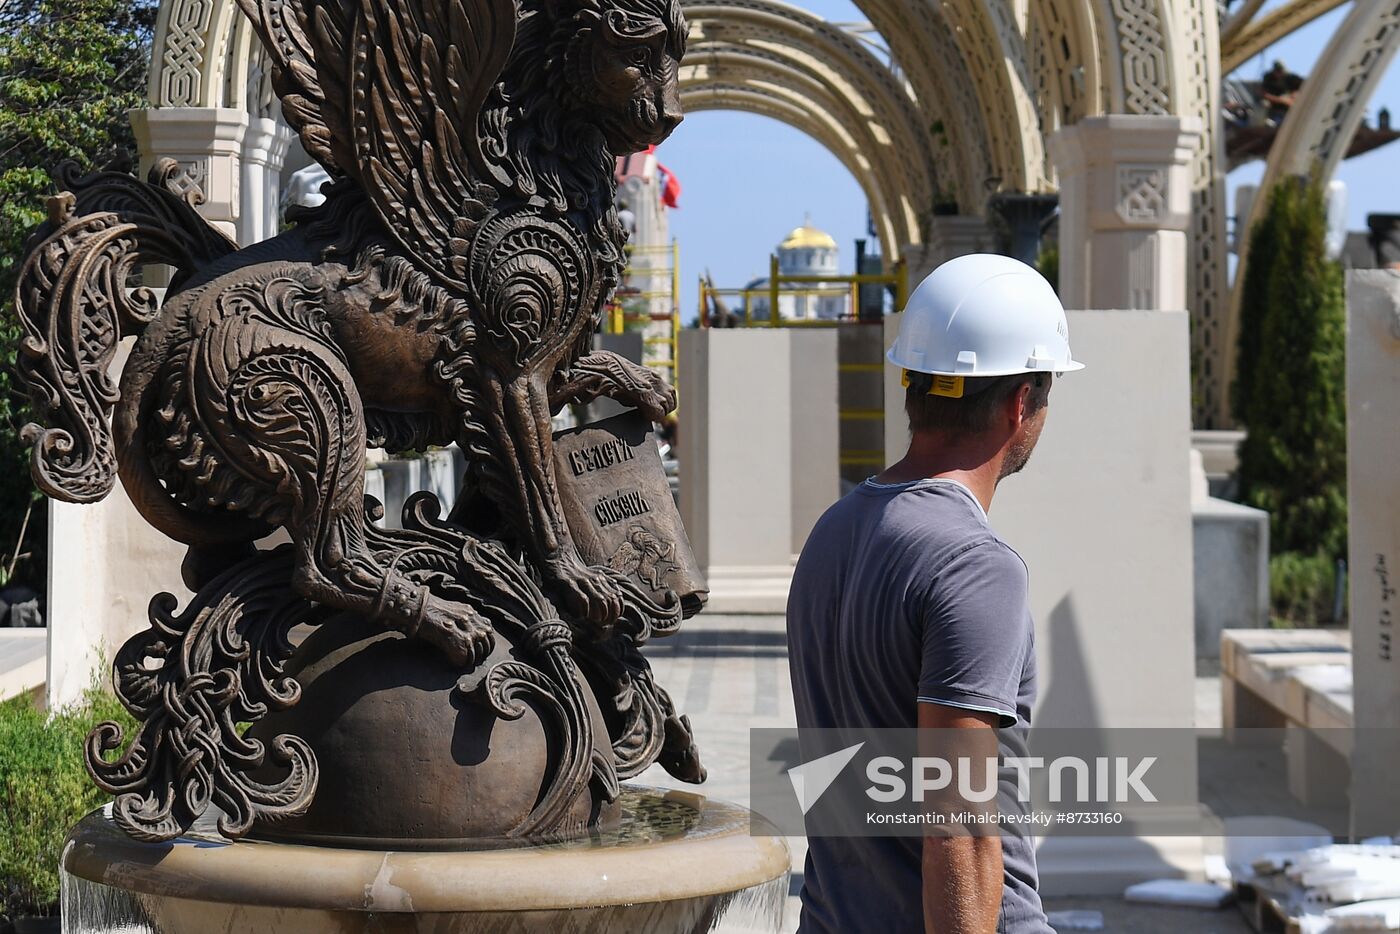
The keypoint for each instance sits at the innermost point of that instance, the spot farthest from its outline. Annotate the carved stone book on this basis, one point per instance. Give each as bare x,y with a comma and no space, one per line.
619,507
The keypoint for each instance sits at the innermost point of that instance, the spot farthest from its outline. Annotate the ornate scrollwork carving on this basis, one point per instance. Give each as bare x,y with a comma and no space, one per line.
447,290
530,273
193,679
75,307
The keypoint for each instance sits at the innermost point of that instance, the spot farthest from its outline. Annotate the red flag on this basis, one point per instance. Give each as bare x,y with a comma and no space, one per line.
671,194
671,188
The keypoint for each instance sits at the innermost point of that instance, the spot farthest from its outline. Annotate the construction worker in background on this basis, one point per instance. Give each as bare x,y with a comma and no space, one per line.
907,610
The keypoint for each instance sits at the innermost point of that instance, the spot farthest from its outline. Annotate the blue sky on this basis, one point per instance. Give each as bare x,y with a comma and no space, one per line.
748,180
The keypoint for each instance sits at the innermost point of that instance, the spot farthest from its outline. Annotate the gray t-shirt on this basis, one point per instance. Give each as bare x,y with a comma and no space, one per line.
905,594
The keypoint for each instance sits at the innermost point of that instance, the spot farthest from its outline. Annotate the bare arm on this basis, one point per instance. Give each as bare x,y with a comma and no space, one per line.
962,874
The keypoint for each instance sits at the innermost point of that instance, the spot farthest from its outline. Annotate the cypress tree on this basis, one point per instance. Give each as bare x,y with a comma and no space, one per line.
1293,402
1263,243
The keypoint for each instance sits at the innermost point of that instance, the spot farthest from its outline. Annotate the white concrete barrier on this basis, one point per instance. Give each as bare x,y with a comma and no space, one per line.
759,455
1231,561
1373,498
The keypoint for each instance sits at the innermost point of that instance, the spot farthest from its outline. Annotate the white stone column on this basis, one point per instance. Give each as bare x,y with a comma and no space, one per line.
264,151
208,143
1125,202
1373,500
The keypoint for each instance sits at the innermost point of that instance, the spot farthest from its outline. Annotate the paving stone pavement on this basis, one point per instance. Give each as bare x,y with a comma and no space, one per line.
729,673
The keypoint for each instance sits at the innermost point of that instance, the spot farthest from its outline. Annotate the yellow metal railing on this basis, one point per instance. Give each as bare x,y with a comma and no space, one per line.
619,319
779,285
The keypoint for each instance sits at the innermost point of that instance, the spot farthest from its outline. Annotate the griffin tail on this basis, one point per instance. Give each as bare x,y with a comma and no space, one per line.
75,306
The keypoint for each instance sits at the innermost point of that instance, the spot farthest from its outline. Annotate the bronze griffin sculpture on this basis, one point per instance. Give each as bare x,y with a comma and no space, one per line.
447,291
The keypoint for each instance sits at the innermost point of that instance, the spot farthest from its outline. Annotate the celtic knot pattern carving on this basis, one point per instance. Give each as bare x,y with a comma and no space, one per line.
1146,75
182,54
1206,272
1142,194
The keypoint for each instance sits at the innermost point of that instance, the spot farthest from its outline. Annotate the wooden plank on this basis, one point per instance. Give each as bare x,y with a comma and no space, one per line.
1267,908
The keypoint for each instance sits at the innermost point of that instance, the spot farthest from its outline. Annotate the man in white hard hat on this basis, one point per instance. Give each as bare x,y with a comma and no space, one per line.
908,611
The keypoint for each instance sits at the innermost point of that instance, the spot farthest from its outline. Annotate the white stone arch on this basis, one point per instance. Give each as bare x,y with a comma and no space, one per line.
827,53
1163,59
822,127
925,51
191,48
994,47
1072,66
904,179
900,191
841,132
1319,127
1062,45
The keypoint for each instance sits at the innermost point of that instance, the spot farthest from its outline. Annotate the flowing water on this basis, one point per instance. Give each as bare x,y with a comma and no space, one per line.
94,908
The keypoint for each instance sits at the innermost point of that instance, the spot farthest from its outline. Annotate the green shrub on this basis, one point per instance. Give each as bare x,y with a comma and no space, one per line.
44,790
1291,395
1302,589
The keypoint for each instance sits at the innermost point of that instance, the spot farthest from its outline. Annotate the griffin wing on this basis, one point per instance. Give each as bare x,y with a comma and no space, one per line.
389,93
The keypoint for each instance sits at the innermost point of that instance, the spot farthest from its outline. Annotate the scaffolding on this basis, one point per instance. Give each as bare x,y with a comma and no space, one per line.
648,300
815,287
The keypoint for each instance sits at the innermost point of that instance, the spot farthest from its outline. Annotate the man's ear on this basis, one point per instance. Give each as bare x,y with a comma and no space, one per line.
1018,404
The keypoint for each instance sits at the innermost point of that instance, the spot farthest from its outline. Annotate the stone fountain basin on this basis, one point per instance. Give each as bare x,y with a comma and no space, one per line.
679,862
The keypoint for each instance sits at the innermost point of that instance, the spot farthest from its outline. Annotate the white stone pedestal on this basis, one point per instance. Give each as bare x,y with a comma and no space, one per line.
105,565
758,455
1102,516
208,144
1231,570
815,427
896,421
1125,202
1373,498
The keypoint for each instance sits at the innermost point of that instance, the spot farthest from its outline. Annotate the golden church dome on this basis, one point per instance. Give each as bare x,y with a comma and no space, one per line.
807,237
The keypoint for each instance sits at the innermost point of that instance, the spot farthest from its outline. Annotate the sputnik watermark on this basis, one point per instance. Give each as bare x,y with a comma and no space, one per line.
1115,779
859,782
810,780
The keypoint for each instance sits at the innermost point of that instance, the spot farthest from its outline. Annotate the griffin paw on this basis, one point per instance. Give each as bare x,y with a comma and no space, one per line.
461,633
589,593
657,400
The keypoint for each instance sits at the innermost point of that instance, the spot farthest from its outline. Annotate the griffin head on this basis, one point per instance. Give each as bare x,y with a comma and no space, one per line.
619,67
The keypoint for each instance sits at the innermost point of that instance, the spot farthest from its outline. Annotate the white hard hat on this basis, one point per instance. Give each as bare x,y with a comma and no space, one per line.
983,315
